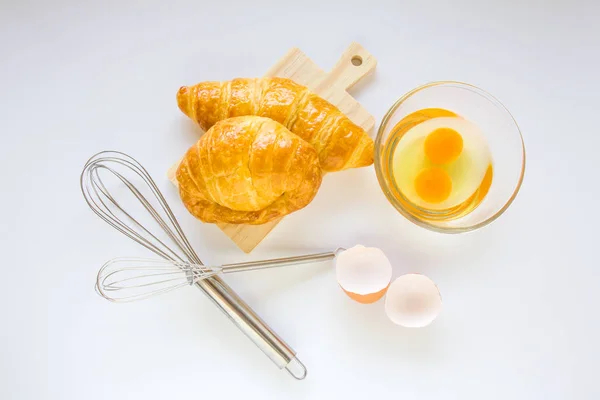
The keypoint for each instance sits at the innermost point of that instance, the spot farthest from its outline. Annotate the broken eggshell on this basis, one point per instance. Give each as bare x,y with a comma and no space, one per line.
364,273
413,301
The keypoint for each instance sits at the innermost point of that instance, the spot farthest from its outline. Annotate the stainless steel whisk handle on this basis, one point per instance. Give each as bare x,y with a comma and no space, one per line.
279,262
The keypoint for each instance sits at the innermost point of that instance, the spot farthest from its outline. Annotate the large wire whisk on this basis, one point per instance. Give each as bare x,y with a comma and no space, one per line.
130,279
130,179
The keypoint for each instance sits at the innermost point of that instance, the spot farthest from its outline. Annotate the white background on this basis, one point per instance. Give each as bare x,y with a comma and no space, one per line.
520,317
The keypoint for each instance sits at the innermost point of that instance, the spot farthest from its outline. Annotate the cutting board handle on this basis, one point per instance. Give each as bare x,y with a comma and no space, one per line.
354,64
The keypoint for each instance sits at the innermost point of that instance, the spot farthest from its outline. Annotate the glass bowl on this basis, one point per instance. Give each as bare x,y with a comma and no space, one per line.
501,133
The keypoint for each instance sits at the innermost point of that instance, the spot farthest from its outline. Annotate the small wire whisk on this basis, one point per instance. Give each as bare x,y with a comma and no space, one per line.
130,279
133,190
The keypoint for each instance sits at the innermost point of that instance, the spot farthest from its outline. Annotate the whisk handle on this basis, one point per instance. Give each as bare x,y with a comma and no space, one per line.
279,262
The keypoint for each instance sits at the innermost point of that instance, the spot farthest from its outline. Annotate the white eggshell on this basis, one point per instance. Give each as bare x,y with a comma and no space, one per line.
413,301
363,270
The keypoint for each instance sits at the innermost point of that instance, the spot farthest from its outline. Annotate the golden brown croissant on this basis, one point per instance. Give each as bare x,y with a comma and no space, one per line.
340,143
248,170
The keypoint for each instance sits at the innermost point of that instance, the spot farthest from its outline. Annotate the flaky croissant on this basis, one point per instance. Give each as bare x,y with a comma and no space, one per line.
341,144
248,170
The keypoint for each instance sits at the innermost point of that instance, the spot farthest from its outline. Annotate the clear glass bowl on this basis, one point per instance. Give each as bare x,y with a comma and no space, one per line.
501,133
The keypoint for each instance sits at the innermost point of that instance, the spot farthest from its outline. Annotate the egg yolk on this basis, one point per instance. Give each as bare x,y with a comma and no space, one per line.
443,145
433,185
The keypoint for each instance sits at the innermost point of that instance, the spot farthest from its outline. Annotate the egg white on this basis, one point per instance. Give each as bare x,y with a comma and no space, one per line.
471,165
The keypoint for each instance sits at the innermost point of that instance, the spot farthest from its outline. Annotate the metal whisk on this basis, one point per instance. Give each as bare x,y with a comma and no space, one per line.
134,182
130,279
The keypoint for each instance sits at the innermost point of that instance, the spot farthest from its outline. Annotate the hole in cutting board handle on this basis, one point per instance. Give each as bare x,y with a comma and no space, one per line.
356,61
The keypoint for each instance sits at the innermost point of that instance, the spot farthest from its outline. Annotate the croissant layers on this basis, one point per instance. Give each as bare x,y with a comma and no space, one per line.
248,170
340,144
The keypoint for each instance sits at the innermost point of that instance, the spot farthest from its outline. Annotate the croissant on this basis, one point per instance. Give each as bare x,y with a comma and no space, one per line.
248,170
340,143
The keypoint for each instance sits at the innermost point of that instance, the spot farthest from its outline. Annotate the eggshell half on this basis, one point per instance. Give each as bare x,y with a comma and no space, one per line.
364,273
413,301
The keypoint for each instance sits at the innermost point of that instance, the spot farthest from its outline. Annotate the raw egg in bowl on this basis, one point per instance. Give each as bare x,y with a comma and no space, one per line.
449,157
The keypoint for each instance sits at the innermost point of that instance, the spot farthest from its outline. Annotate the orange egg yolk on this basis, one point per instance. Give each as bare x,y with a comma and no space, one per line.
433,185
443,146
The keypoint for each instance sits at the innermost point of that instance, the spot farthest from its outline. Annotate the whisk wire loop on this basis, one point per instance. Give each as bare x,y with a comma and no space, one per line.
128,279
102,202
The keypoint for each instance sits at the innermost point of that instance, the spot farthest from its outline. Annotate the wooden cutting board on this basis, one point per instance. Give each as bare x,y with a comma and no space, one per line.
354,64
